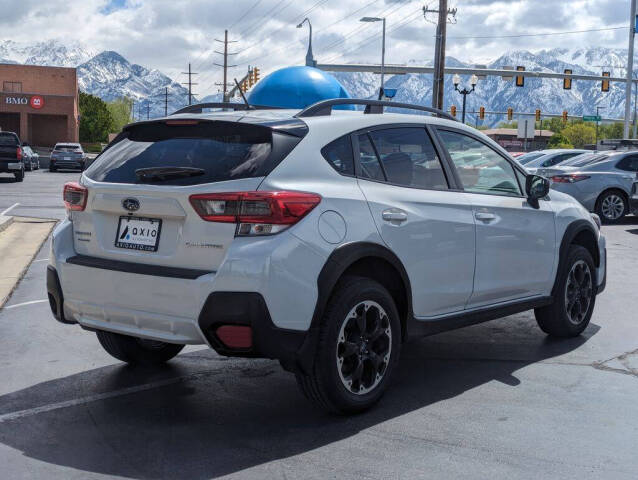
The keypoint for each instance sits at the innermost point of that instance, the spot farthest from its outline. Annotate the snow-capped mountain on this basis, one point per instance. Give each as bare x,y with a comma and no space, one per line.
497,95
107,75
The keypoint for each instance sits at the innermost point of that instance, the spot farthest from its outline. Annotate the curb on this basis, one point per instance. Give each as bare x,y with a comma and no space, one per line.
5,221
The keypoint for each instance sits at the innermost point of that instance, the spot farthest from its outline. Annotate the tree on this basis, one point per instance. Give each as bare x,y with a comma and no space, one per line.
580,134
95,119
615,130
120,110
558,140
513,124
556,125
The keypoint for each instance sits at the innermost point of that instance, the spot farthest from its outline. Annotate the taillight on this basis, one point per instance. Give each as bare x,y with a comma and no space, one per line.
19,153
75,196
569,178
256,213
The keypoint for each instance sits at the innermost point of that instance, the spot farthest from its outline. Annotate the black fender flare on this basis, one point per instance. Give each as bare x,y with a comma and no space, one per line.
337,263
572,230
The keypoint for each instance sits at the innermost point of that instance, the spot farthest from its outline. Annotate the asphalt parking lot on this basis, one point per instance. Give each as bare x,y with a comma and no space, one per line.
498,400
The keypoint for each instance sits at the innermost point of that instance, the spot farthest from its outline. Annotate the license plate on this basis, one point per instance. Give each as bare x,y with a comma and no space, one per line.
67,158
138,233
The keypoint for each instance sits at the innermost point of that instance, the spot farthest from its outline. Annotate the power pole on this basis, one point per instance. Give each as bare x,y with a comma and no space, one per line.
630,66
166,101
190,84
439,50
148,110
225,65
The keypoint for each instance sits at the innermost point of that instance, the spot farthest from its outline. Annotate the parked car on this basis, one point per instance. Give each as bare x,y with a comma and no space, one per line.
601,182
31,158
67,156
11,155
634,196
321,238
550,158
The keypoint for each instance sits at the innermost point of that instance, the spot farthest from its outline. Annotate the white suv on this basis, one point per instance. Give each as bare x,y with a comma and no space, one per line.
324,239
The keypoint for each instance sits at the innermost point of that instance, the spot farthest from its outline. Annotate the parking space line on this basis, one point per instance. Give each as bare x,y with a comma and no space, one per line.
94,398
24,303
9,209
41,260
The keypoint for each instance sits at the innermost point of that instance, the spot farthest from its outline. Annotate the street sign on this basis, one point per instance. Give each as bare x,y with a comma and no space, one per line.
526,128
591,118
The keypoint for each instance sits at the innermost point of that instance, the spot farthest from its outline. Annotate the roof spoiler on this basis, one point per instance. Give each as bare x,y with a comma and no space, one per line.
199,107
324,107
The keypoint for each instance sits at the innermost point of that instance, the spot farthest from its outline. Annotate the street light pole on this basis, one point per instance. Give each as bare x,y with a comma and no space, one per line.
465,92
630,66
597,110
310,60
378,19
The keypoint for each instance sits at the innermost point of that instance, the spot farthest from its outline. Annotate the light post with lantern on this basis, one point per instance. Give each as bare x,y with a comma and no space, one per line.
465,92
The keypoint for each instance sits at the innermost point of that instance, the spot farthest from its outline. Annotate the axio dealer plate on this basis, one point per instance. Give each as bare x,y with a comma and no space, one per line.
138,233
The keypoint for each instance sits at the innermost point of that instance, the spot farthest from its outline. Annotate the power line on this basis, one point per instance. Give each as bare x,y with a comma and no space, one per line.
249,10
523,35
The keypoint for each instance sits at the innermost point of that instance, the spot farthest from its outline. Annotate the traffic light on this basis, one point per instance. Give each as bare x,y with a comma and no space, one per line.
538,115
510,113
250,78
520,79
453,110
482,113
564,116
567,82
255,75
605,84
244,86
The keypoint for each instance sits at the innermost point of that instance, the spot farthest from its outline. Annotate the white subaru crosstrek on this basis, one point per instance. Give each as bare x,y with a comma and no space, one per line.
324,239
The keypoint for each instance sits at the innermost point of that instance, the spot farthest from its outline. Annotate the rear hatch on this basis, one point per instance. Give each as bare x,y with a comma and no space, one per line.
137,193
9,147
67,153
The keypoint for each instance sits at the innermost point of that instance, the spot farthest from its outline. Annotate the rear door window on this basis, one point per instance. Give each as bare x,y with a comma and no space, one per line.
194,153
628,164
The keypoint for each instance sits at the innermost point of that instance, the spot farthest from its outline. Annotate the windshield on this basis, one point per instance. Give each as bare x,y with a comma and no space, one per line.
528,157
585,159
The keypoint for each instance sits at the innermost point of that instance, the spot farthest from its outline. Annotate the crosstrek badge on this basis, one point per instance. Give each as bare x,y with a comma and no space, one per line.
36,102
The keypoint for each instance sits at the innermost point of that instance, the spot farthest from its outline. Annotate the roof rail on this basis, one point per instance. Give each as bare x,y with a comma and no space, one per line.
199,107
324,107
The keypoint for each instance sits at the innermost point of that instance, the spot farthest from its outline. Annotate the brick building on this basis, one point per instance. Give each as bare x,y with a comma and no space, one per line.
40,104
508,139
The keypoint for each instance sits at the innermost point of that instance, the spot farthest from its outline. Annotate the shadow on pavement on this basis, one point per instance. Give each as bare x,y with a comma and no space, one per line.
234,414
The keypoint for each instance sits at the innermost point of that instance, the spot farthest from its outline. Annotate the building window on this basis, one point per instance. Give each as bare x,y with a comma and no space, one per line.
12,87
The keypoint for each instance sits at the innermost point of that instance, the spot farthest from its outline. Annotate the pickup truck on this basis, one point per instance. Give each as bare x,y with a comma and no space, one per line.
11,155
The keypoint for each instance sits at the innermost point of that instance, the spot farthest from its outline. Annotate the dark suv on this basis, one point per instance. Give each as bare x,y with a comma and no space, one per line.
11,155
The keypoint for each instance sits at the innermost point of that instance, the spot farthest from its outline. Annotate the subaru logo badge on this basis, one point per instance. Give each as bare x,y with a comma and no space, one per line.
131,204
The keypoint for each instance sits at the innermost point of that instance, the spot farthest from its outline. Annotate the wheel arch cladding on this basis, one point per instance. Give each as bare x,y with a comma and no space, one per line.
582,233
363,259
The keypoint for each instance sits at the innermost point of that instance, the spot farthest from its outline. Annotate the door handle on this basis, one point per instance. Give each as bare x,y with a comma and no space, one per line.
394,215
485,217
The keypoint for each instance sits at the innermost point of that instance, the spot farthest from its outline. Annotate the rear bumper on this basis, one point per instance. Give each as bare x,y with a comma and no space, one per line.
10,166
71,164
250,288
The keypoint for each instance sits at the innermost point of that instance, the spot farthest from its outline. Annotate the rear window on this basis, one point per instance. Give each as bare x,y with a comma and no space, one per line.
586,159
205,152
67,148
8,140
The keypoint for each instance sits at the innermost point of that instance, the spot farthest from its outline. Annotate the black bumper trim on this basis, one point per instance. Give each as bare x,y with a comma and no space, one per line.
138,268
55,295
249,309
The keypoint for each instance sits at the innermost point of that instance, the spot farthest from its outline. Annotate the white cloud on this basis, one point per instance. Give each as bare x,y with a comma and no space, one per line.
167,35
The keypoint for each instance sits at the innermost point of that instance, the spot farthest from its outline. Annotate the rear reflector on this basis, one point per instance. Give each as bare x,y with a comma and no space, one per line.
19,153
75,196
257,213
235,336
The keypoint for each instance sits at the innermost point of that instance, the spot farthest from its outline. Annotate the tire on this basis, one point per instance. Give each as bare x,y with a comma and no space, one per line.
134,350
560,319
612,206
52,169
333,367
19,176
30,167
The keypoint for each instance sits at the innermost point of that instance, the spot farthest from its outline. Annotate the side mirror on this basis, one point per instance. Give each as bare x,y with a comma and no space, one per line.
536,187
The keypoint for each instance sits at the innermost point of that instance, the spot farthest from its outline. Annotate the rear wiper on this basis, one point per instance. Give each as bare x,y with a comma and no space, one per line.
159,174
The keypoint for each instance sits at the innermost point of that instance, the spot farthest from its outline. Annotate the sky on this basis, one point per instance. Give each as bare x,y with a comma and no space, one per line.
168,34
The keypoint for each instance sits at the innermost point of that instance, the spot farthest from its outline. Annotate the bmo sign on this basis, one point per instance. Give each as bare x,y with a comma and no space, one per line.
35,101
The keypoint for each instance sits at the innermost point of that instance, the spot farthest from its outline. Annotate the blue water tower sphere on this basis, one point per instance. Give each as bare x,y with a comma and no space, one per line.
297,87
